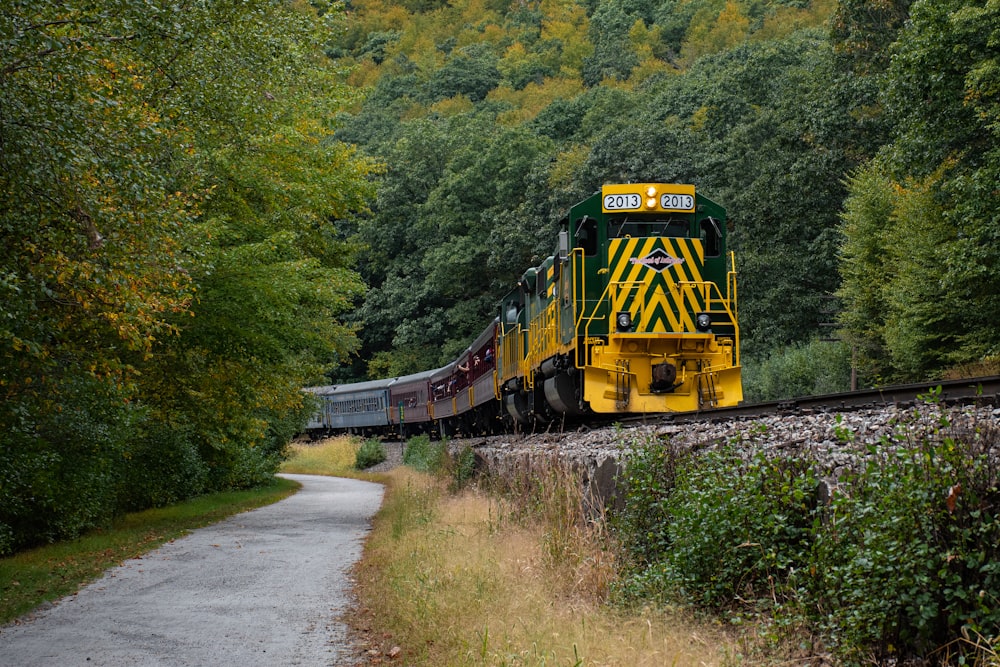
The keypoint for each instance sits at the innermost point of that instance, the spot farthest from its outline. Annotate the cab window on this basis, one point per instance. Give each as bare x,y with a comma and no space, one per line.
637,227
711,237
586,235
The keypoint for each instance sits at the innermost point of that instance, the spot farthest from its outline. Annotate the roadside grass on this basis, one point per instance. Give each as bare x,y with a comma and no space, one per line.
330,456
471,578
32,578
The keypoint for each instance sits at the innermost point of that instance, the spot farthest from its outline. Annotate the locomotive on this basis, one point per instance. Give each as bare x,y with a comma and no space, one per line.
635,312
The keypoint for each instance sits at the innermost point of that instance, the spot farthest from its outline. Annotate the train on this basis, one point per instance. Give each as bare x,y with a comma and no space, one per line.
634,312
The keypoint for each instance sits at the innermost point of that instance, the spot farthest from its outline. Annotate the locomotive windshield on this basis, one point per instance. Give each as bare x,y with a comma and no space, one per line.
640,226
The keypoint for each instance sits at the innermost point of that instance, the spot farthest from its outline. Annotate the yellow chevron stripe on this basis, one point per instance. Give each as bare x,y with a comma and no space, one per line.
657,292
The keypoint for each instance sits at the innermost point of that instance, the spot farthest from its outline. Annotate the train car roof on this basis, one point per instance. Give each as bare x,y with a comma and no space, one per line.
484,337
356,387
422,376
321,390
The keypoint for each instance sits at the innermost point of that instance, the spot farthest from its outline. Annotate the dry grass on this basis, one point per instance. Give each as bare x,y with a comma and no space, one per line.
329,456
465,580
983,368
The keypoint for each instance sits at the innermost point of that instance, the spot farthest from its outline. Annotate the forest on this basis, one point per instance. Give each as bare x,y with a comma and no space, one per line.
854,145
209,205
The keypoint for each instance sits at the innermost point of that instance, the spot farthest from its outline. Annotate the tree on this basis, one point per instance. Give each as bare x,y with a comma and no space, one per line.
865,268
441,243
117,120
613,56
942,159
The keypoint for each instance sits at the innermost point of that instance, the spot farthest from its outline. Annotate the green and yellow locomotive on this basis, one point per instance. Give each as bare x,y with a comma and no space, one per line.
635,312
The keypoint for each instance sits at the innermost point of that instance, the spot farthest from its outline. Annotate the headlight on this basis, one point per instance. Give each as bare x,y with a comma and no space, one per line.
624,321
703,322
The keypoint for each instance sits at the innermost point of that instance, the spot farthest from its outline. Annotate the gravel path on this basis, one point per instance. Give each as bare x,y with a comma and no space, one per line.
265,587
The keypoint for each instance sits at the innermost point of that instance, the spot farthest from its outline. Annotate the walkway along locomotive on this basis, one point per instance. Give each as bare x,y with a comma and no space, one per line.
634,312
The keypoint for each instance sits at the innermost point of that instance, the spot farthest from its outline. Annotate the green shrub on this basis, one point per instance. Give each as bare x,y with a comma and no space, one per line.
908,560
814,368
902,563
640,522
164,467
425,455
370,453
61,460
464,468
732,530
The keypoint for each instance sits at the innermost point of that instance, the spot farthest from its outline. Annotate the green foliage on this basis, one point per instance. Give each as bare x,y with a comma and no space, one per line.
863,32
449,204
865,268
60,465
908,557
939,95
802,369
651,469
426,455
609,29
169,272
463,468
370,453
164,467
729,530
900,563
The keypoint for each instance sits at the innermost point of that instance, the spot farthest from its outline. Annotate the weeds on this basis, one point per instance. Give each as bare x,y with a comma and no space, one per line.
902,562
331,456
370,453
515,576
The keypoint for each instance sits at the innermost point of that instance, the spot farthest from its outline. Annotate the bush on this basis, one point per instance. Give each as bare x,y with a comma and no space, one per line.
370,453
164,467
730,530
464,468
809,369
426,456
902,563
640,523
61,460
908,560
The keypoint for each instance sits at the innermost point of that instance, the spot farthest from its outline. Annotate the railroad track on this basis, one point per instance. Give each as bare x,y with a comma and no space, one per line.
982,389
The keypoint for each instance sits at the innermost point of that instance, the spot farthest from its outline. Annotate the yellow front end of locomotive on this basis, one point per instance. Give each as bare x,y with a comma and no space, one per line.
648,373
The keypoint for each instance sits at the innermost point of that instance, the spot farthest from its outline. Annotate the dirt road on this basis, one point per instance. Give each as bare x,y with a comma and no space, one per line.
264,587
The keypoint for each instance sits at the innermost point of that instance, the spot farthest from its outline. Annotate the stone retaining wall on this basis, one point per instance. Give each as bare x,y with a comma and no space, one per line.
835,441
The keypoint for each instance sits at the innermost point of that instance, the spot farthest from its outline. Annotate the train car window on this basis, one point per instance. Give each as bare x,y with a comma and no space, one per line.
711,237
586,235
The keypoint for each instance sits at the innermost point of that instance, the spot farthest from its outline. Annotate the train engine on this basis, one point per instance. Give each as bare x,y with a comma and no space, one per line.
635,311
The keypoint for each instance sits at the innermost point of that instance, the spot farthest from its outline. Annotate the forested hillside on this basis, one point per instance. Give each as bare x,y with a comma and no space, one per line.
853,143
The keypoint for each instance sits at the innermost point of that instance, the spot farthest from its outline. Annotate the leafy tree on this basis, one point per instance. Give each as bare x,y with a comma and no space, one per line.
613,56
942,156
444,211
472,72
862,32
117,120
714,33
865,267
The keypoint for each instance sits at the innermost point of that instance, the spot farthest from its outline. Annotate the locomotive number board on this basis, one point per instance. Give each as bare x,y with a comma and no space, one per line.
648,197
